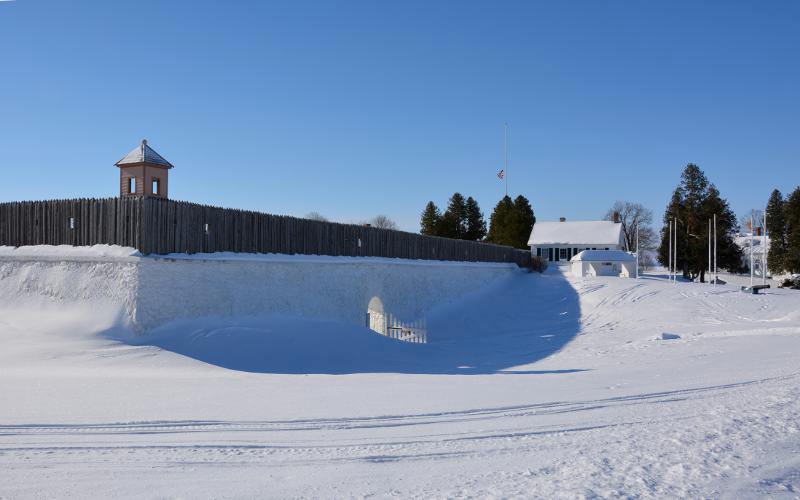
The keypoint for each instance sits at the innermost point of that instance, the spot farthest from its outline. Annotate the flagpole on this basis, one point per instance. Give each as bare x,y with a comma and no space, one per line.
505,146
752,231
669,265
675,252
764,255
637,251
716,272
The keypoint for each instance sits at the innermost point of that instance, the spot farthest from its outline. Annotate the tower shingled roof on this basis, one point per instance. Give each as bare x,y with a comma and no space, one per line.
144,154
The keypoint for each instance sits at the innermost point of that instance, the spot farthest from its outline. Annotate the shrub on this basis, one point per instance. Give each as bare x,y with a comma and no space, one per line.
538,264
792,282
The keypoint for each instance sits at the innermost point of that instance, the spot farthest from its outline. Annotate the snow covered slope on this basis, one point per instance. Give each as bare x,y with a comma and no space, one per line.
541,385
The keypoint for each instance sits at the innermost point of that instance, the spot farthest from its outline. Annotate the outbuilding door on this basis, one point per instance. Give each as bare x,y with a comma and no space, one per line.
605,269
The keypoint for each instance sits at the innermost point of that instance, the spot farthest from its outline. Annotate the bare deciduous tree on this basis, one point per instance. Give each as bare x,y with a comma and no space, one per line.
382,222
316,216
754,214
631,216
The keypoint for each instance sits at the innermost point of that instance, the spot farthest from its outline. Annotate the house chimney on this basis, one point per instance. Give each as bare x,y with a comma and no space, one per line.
562,219
616,217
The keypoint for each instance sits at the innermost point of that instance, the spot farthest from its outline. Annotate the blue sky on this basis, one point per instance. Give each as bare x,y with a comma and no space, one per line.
354,109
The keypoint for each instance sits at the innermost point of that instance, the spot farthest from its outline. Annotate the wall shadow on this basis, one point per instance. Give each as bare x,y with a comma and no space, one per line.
513,323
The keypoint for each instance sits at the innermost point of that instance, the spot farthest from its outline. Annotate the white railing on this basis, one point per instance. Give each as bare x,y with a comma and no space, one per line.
388,325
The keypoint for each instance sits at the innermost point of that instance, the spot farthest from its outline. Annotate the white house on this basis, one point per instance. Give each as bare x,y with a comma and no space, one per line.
560,241
603,263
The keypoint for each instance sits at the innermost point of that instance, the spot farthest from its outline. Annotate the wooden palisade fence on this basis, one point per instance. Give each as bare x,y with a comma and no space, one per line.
157,226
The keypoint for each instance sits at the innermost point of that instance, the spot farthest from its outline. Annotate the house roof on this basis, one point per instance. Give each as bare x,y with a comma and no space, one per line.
144,154
594,232
603,255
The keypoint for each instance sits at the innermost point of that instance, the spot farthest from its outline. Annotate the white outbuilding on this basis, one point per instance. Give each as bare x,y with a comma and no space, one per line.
559,241
603,263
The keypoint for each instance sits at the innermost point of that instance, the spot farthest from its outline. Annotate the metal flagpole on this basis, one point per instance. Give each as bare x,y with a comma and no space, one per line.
637,251
675,252
669,266
674,248
752,231
716,273
765,261
505,145
709,249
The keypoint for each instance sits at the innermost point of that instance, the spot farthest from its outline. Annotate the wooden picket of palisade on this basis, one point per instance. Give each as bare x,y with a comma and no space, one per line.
157,226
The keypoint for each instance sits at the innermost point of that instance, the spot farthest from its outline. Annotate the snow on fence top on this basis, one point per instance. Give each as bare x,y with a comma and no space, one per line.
159,226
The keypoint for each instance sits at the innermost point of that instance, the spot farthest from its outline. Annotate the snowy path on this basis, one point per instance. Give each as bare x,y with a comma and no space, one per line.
544,387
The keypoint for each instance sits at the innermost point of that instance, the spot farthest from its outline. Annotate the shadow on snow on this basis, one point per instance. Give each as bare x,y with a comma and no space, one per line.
516,322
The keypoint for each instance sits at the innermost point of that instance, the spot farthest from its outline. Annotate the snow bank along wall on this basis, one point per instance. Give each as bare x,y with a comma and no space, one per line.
153,291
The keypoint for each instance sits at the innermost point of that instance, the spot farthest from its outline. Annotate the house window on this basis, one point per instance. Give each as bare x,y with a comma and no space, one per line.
550,254
563,252
156,186
538,252
132,185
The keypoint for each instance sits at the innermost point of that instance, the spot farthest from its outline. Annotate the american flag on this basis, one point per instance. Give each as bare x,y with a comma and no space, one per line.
501,174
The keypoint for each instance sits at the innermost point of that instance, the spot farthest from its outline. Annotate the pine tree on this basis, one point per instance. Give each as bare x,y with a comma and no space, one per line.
501,221
476,226
454,220
776,228
674,210
430,220
693,203
792,260
729,254
523,221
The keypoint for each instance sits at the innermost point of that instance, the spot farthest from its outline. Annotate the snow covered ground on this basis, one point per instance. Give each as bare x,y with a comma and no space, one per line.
538,386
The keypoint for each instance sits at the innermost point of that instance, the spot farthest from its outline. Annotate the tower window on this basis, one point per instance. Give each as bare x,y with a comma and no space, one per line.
132,185
156,186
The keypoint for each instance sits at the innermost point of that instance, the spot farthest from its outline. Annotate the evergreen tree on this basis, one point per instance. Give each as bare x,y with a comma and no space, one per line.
693,203
430,220
454,220
674,209
501,222
792,211
475,225
729,254
523,221
776,228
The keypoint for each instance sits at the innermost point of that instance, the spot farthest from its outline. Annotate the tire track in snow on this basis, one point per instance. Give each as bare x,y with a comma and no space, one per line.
470,415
